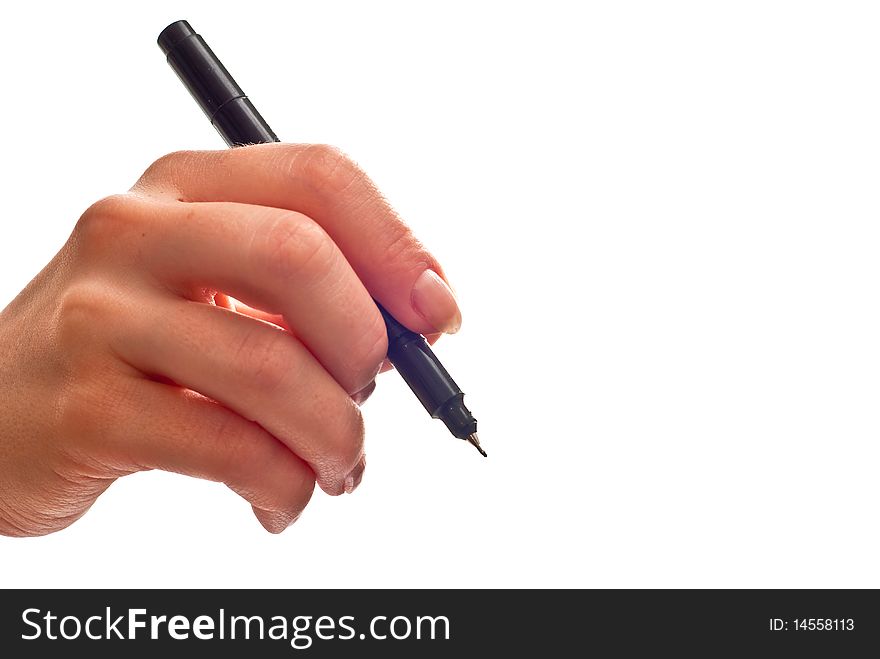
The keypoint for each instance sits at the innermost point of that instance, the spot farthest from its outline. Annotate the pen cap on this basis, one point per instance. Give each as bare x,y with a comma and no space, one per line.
212,87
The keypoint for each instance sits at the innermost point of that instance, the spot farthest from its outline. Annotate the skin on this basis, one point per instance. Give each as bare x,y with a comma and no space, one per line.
216,321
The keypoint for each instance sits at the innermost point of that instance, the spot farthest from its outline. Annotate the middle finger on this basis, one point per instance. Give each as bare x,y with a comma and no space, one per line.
281,262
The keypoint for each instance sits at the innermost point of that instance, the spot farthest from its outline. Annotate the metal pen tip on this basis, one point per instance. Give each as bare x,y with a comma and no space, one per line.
473,439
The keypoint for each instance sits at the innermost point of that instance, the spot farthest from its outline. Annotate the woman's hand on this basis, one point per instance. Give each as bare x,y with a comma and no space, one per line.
129,351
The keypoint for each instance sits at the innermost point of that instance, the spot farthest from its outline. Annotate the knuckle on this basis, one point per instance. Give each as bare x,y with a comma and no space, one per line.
230,431
353,429
326,168
400,243
81,308
226,430
348,435
296,247
342,442
164,172
102,221
270,477
92,395
401,249
290,495
367,354
262,358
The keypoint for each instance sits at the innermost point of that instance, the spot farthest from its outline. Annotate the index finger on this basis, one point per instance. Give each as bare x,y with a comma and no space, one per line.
321,182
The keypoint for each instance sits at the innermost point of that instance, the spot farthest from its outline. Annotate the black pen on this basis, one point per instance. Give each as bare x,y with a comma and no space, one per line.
237,120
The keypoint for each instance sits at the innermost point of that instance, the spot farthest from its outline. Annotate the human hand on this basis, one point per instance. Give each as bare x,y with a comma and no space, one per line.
130,352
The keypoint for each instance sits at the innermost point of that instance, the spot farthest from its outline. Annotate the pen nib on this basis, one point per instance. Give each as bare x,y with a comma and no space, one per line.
473,439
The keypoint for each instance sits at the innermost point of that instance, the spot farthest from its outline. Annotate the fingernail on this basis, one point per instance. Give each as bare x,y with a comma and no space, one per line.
356,475
434,301
360,397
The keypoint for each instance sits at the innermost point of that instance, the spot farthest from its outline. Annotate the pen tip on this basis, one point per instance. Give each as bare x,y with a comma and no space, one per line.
473,439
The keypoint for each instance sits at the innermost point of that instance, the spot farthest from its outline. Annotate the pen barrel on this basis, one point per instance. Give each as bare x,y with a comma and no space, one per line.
237,120
429,380
423,372
213,88
240,124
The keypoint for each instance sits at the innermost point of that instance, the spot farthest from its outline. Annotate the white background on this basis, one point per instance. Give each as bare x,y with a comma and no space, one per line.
662,222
